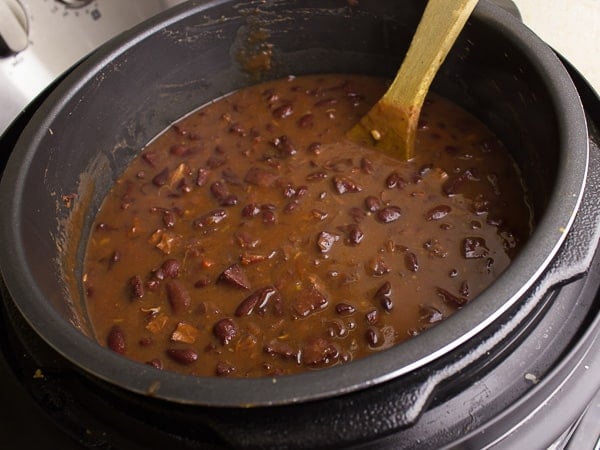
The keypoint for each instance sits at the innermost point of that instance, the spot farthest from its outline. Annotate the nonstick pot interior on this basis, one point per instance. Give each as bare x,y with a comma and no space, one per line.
123,95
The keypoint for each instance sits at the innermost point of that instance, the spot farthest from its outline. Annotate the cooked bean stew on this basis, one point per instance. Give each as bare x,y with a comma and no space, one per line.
252,239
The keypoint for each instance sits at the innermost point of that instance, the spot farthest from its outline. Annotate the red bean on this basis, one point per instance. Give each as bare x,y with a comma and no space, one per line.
372,337
325,241
411,261
214,217
394,180
257,300
372,203
202,282
326,102
282,349
465,289
171,268
215,161
315,148
268,217
225,330
161,178
377,267
430,314
355,235
384,296
283,111
179,297
344,185
366,166
291,206
116,340
136,287
388,214
306,121
284,147
156,363
224,368
451,298
184,356
372,317
438,212
344,309
202,177
474,247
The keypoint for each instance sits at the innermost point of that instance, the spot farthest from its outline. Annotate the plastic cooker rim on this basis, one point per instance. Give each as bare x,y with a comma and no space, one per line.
455,331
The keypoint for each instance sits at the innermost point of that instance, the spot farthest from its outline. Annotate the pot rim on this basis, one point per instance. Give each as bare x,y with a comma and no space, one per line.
86,354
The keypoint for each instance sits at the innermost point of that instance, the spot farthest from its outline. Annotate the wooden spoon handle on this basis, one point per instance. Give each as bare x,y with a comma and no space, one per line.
438,29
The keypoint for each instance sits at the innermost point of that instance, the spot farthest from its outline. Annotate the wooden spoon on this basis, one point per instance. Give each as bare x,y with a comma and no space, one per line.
391,124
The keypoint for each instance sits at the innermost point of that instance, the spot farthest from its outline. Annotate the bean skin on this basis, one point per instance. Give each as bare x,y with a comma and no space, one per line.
344,185
257,300
450,298
156,363
411,261
388,214
136,286
161,178
202,177
306,121
224,368
430,314
355,235
474,248
372,317
211,218
225,330
116,340
394,180
438,212
344,309
283,111
384,296
372,203
179,297
372,337
171,268
184,356
325,241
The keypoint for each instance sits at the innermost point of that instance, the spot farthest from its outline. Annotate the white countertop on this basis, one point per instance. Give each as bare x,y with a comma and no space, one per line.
571,27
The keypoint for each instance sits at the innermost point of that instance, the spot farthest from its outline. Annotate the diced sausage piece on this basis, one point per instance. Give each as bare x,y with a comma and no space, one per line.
235,276
308,300
319,352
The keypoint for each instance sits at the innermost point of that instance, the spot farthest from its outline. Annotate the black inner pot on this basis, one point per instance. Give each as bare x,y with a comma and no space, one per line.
100,117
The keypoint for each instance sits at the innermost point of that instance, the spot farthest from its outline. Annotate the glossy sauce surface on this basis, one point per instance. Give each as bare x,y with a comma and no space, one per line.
252,239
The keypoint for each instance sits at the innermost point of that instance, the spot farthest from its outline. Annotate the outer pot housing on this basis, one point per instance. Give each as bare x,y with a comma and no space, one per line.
122,96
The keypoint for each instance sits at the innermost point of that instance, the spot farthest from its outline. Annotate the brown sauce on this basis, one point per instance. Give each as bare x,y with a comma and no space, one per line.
252,239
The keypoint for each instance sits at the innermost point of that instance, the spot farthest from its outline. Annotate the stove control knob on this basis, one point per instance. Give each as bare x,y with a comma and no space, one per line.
13,27
75,3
